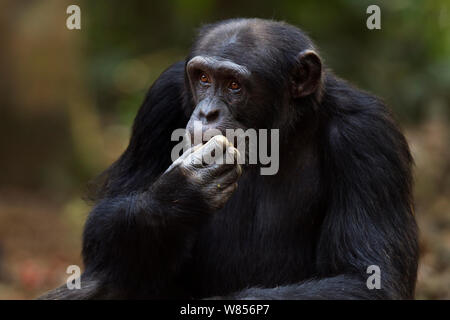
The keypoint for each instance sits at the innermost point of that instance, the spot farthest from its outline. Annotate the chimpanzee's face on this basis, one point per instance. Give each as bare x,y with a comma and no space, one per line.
240,78
221,89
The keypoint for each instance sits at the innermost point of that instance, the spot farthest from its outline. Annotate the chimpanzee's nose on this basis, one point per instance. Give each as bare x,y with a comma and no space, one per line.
209,114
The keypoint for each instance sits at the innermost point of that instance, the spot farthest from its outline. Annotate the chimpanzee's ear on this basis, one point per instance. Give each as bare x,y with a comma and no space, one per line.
307,74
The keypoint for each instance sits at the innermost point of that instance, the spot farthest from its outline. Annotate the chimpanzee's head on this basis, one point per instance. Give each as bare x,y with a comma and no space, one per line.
251,73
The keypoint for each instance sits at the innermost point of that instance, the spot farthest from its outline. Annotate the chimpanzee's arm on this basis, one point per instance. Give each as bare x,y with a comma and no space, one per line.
142,227
135,244
370,219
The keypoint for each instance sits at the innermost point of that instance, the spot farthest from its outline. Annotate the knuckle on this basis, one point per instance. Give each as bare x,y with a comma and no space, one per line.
219,139
239,169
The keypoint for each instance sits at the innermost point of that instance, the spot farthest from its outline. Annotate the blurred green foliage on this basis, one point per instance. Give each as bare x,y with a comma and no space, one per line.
407,62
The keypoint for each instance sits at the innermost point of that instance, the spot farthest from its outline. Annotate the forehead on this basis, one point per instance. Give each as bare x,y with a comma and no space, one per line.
238,41
218,65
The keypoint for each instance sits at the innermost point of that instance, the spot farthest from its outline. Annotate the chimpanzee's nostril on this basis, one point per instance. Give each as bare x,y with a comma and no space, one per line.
212,115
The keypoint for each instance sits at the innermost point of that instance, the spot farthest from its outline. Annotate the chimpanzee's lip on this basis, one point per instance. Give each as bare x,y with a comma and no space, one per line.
209,136
222,130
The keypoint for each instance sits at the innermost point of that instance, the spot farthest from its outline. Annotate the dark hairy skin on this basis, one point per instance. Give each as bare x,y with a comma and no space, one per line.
340,202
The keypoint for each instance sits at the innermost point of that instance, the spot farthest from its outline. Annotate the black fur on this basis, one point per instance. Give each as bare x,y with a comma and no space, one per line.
341,201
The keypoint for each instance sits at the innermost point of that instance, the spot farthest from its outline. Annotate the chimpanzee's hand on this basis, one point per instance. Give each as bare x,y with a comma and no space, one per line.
211,169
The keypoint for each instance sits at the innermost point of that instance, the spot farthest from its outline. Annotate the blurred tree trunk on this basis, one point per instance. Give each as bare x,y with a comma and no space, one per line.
49,126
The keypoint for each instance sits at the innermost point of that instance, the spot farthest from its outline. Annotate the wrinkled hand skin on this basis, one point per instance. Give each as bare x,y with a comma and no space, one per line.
215,181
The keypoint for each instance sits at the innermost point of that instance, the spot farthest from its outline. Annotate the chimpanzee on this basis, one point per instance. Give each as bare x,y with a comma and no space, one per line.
340,202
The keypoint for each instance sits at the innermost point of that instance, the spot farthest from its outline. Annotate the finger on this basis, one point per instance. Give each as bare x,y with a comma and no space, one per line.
228,177
214,150
184,156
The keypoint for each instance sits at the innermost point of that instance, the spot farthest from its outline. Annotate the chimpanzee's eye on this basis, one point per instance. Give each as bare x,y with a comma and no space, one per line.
204,78
234,85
